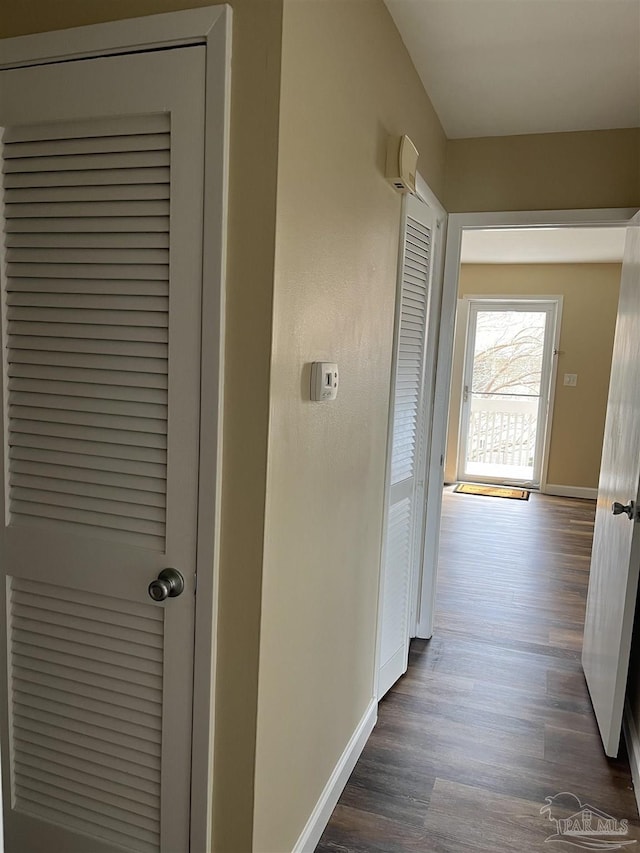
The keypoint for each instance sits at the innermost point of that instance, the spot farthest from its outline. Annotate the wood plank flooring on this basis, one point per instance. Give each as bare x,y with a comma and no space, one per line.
493,715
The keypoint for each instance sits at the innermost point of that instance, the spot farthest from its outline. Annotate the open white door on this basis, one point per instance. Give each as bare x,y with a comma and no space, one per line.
404,516
615,561
103,191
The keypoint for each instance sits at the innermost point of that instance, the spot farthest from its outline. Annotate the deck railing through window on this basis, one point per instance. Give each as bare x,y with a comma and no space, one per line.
502,431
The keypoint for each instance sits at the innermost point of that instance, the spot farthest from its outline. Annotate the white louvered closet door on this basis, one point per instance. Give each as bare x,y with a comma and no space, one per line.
404,516
102,231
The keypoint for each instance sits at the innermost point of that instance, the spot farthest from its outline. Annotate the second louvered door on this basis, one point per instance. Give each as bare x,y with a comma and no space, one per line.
102,165
404,515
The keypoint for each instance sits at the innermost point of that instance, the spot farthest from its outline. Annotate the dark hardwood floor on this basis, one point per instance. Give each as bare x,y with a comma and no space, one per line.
493,715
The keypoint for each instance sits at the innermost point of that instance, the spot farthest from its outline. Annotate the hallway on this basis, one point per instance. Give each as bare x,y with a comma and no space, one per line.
493,714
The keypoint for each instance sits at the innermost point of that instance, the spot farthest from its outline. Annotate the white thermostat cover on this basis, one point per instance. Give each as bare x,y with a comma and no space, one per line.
324,380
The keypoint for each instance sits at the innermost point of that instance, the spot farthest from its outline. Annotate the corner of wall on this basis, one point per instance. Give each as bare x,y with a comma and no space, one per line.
255,106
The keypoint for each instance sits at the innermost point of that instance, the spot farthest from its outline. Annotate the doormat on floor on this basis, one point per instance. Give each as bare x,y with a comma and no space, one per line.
493,491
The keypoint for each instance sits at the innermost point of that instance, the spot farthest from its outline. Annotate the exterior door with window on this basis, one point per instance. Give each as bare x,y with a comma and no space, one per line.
102,231
505,398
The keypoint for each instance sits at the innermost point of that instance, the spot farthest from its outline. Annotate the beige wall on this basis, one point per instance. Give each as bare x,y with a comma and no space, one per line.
590,302
544,171
337,244
254,139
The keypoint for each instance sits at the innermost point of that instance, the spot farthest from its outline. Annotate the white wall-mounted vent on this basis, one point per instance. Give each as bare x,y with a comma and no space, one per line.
402,164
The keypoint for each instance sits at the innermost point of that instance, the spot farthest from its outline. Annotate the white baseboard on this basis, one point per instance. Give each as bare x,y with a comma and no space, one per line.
316,824
633,748
570,491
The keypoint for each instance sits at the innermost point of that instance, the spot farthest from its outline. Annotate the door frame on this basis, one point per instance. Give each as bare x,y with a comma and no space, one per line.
209,26
548,379
457,224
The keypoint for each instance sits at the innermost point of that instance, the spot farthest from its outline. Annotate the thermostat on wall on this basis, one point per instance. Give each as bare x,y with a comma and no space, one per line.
324,380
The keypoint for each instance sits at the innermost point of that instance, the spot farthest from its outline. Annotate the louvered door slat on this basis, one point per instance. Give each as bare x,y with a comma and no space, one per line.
88,178
145,461
85,129
93,255
111,209
111,332
80,374
133,364
154,272
108,506
91,145
103,435
79,476
105,286
106,192
117,240
95,223
82,162
140,501
91,345
81,316
133,409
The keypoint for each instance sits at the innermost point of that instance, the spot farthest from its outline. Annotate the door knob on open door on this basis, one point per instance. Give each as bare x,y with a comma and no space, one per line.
620,509
168,584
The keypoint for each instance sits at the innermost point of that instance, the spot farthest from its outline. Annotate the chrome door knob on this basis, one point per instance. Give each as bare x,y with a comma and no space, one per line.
620,509
168,584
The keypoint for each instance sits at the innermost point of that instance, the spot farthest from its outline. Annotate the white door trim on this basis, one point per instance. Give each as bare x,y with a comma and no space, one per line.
457,223
549,373
210,26
171,29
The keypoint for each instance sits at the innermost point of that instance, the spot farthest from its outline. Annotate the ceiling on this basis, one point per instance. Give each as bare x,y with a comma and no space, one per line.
504,67
543,245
